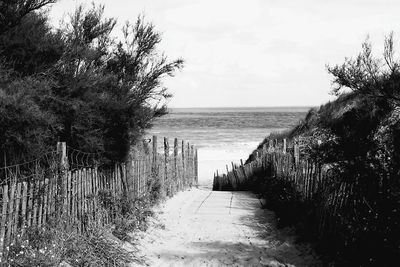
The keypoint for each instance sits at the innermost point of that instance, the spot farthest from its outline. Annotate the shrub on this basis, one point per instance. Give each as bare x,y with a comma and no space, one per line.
77,84
133,216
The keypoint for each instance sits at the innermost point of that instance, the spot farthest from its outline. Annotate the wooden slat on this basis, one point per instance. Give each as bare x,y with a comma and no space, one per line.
95,191
136,177
45,201
36,201
51,196
40,198
17,205
92,190
73,197
79,199
30,203
10,212
89,194
68,194
24,204
3,220
84,193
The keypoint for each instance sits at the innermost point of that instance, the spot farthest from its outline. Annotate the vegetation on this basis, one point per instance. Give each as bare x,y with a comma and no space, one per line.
77,83
357,136
54,244
80,85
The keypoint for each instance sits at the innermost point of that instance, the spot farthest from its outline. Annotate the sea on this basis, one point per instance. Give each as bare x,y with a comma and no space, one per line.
224,135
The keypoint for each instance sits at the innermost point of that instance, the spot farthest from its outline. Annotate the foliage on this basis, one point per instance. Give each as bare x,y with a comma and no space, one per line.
357,136
12,12
133,217
281,196
52,245
377,78
156,191
24,125
98,245
77,83
131,213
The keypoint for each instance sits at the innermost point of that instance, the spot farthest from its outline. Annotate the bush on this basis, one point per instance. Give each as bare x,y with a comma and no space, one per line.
282,197
77,84
133,217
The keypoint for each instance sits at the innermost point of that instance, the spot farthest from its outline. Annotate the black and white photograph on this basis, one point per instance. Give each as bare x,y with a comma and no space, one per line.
191,133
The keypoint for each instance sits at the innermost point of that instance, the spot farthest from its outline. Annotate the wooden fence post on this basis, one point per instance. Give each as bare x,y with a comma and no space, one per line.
284,146
61,175
270,144
183,165
166,183
154,162
3,222
155,154
176,153
196,167
296,152
129,181
188,165
193,171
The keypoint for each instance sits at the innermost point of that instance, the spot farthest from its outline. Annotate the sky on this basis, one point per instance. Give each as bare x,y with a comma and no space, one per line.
255,53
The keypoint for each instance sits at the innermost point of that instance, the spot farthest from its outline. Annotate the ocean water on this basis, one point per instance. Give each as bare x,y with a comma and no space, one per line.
224,135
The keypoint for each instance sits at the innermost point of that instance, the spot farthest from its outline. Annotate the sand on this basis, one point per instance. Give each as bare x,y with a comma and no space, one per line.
205,228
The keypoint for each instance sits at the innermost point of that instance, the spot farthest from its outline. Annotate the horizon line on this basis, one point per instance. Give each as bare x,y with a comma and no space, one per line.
295,106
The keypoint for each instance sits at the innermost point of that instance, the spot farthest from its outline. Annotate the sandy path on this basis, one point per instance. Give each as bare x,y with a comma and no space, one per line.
205,228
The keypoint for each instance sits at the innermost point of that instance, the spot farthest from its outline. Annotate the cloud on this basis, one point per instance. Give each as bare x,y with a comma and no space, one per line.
257,52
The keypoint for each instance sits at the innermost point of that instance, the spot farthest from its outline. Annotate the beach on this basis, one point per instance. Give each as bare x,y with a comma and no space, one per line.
224,135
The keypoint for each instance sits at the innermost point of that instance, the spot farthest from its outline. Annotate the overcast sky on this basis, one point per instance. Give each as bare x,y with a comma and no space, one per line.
253,53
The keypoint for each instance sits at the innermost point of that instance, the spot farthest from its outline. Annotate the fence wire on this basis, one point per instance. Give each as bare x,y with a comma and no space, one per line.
80,159
41,167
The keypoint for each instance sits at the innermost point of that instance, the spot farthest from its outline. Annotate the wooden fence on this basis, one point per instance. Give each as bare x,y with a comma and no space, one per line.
310,179
68,184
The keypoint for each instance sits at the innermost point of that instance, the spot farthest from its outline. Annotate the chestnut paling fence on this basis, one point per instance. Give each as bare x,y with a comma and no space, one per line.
70,184
311,180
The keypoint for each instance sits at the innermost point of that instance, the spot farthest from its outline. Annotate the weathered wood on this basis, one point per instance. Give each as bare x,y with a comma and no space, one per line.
62,167
10,211
3,239
24,204
284,146
196,167
90,194
73,198
74,194
17,205
79,199
155,153
84,194
183,164
69,194
30,204
296,153
140,175
188,169
50,197
165,182
176,154
45,194
96,192
40,200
